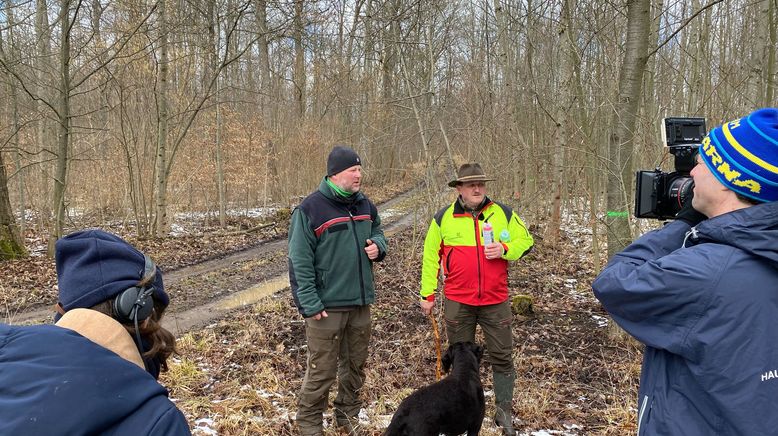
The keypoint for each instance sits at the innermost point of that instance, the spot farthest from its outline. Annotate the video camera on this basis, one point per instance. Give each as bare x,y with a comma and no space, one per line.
661,195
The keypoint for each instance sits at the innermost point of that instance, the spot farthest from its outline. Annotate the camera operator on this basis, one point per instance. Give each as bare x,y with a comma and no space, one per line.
702,293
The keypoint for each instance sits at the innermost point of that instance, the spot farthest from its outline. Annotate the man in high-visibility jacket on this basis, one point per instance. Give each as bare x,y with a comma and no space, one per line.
475,287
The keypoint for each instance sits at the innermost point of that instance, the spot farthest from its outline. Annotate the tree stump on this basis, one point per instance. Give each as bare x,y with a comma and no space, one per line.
521,304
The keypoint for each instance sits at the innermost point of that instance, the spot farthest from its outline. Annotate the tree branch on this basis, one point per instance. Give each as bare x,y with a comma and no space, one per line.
685,23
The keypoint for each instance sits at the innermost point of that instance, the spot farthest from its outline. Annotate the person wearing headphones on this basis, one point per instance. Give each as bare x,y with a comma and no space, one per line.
95,371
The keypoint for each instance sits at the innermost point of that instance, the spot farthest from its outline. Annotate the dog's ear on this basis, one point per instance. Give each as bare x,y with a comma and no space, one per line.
448,359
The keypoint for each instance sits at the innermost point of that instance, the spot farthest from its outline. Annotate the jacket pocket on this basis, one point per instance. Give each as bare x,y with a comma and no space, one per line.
644,414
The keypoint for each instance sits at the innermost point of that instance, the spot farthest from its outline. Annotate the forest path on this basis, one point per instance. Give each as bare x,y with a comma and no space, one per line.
208,290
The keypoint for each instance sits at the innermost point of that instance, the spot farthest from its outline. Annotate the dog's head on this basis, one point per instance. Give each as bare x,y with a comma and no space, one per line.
457,349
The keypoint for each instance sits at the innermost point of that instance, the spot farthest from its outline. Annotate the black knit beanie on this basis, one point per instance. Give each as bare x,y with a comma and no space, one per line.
340,158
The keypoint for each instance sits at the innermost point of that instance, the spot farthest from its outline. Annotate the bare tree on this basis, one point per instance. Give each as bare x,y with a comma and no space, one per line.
299,56
11,245
770,72
625,109
562,121
162,122
758,71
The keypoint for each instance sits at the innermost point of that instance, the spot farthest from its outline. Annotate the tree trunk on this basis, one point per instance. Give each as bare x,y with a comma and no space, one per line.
695,49
759,55
567,54
161,224
63,127
530,169
432,185
11,245
368,90
621,140
45,136
770,77
391,41
264,60
16,127
299,57
214,35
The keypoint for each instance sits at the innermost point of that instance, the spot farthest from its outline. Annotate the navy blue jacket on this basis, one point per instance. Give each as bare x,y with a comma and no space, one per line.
54,381
708,315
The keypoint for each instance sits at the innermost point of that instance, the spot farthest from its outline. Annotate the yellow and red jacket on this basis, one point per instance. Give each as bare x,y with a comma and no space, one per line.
454,242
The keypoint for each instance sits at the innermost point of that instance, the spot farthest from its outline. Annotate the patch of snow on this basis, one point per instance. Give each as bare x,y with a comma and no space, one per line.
75,212
258,212
177,230
38,250
548,433
601,320
389,213
282,414
204,426
364,419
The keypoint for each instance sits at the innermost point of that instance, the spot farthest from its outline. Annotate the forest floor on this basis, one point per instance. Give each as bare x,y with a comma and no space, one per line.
240,373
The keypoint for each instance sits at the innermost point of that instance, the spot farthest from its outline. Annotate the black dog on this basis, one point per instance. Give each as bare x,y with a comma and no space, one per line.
452,405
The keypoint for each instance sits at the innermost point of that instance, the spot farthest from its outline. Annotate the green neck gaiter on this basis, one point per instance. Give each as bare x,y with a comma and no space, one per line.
337,190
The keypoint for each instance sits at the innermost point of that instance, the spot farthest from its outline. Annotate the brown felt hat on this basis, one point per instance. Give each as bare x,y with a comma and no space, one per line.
470,173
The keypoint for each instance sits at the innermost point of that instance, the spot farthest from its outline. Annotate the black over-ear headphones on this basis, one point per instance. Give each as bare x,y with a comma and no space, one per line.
135,304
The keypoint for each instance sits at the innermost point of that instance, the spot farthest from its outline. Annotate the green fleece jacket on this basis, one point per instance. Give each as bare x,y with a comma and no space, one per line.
328,266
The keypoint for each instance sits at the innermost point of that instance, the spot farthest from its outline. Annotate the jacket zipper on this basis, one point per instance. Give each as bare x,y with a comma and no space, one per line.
478,252
359,256
642,412
478,244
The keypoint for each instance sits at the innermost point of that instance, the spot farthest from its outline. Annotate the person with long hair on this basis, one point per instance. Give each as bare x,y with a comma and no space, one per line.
95,370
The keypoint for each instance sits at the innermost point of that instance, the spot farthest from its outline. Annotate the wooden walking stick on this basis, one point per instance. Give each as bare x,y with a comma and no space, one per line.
437,345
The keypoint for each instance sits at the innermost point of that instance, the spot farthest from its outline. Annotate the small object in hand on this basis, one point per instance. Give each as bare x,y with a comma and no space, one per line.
488,234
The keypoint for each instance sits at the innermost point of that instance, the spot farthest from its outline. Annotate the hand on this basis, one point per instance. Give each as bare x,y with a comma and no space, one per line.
371,249
320,315
494,250
426,306
689,214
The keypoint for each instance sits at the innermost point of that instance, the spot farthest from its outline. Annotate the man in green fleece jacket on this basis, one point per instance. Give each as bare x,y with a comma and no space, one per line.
335,236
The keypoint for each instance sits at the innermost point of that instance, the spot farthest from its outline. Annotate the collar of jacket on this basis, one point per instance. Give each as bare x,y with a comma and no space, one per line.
325,189
102,330
460,210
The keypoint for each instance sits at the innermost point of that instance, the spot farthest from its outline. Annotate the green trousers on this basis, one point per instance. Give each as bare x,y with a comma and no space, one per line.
495,321
337,350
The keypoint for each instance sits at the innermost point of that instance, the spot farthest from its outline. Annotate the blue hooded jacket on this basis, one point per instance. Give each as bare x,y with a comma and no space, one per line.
707,311
54,381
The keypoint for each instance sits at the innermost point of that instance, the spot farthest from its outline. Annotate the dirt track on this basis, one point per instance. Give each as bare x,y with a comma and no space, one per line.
203,292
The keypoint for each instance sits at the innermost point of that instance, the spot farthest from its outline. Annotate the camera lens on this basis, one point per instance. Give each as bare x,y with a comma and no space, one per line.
679,190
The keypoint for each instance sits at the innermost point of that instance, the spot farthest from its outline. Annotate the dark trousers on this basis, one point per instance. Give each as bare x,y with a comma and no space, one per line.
495,321
337,349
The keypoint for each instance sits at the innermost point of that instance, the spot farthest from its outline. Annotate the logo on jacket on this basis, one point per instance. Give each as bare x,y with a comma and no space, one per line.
770,375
